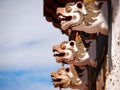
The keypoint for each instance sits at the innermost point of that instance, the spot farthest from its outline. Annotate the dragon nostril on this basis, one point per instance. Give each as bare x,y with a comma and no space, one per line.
52,76
53,50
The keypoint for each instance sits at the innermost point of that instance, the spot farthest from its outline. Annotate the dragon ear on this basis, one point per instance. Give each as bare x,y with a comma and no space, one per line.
67,69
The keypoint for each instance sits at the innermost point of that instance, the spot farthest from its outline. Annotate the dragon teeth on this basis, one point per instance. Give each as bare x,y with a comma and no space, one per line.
61,17
56,53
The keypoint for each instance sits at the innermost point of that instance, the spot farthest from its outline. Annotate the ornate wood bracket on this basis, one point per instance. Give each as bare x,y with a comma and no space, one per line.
96,45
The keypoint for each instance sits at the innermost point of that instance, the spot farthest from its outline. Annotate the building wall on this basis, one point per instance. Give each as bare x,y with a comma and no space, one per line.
113,78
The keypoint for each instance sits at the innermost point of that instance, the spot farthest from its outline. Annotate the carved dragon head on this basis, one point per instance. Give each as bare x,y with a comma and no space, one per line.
65,51
64,78
61,77
71,52
74,14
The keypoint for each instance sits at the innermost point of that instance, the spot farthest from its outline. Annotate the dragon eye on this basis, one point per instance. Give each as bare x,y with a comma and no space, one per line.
67,69
72,43
79,5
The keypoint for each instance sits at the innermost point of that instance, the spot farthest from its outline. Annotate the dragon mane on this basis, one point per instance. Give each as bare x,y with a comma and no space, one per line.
93,10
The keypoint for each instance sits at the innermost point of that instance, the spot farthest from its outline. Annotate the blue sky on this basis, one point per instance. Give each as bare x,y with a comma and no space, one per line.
26,40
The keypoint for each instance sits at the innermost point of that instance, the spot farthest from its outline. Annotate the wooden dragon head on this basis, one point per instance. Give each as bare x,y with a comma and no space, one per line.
65,51
83,16
89,16
62,77
67,78
72,52
70,15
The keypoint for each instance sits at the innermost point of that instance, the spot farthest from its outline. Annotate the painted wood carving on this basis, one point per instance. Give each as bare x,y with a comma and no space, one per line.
68,78
87,50
72,52
84,16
